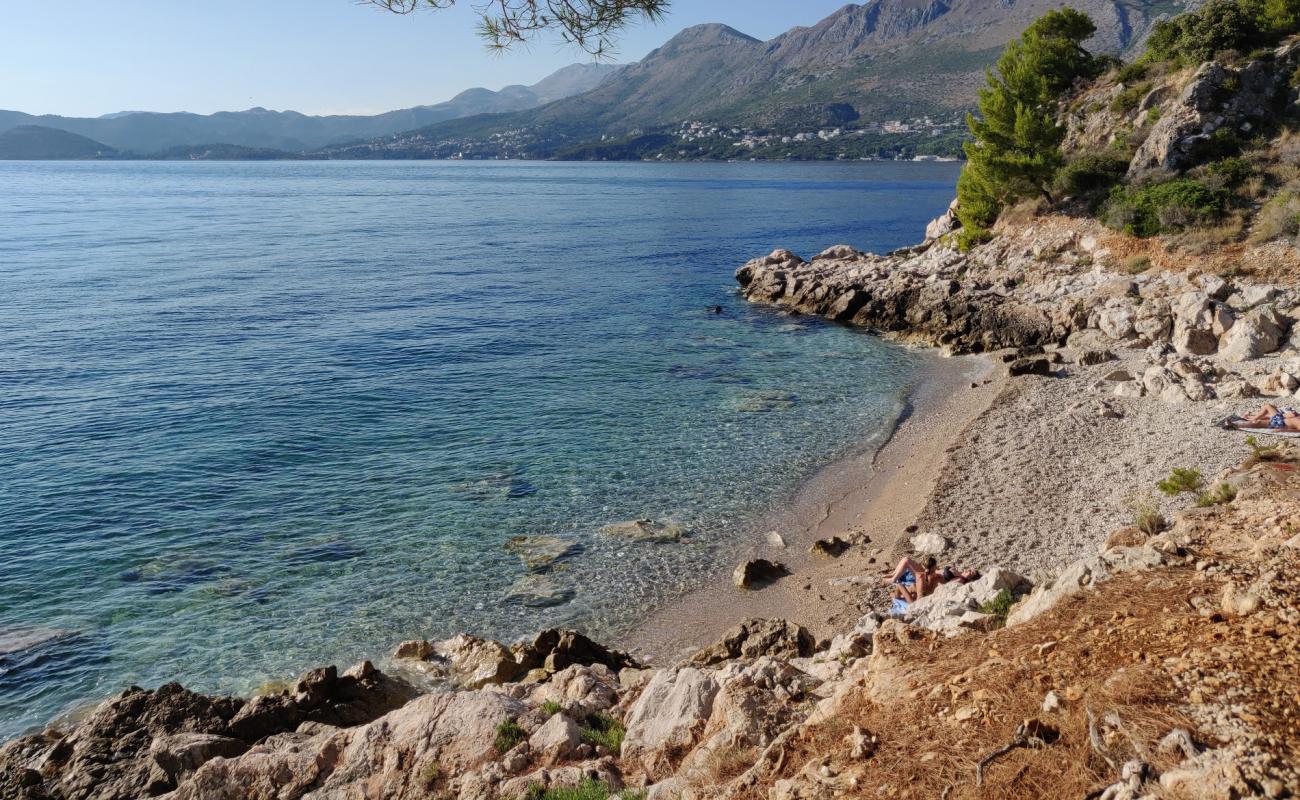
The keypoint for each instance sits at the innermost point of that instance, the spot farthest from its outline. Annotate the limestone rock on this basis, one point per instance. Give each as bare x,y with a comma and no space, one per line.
929,544
554,650
947,607
180,754
667,719
1259,332
415,648
646,530
759,637
476,662
834,547
580,690
756,572
556,739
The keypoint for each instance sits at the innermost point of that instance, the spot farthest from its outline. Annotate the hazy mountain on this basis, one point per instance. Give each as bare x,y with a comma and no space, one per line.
258,128
27,142
887,59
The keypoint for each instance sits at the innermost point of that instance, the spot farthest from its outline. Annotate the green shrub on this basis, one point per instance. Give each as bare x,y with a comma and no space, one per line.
1132,72
550,708
1228,173
1157,208
999,606
1182,479
604,731
1147,517
1262,452
1090,174
1136,265
1195,37
1220,495
587,790
509,734
1126,102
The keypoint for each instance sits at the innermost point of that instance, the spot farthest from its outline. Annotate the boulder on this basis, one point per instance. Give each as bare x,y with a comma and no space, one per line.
415,648
754,638
929,544
580,690
1117,322
1038,365
180,754
838,252
757,572
834,547
455,730
554,650
556,739
1259,332
667,719
476,662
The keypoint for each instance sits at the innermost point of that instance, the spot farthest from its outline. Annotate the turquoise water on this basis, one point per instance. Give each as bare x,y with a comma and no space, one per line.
259,417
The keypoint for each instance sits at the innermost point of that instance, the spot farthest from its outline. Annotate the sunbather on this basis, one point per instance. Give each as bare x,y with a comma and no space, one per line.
1270,416
951,573
912,581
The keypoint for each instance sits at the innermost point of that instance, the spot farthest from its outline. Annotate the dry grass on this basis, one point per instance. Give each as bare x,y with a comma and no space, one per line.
1106,655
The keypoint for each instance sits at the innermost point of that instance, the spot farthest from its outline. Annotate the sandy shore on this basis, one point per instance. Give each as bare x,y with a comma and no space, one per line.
869,497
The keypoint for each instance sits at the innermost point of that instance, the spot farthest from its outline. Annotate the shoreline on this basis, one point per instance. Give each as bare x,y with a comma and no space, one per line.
868,497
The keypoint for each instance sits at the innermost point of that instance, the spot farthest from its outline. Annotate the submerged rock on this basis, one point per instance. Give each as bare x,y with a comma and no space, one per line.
538,591
646,530
540,553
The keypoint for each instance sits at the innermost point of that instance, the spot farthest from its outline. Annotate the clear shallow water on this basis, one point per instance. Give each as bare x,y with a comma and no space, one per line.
259,417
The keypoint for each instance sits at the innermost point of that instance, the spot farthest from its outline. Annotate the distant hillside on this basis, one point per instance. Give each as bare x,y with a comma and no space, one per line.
885,60
148,133
33,142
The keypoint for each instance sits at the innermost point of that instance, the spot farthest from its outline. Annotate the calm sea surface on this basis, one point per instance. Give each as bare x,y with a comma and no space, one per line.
260,417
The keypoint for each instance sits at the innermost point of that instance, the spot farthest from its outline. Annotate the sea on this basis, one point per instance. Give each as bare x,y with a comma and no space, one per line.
259,417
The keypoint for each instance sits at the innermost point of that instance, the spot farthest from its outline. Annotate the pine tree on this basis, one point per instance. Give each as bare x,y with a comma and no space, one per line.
1016,150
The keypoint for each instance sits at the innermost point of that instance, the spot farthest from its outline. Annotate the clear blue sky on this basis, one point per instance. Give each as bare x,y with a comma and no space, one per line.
90,57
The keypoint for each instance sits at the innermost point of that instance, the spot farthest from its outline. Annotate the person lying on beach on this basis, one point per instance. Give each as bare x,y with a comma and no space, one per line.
912,581
951,573
1270,416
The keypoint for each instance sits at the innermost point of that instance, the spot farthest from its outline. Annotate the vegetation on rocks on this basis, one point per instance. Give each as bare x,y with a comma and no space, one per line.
1016,149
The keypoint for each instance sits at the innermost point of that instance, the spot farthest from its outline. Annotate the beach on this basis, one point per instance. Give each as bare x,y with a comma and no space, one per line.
867,498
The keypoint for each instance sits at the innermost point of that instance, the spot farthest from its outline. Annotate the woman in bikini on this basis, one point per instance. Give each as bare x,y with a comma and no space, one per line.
1268,417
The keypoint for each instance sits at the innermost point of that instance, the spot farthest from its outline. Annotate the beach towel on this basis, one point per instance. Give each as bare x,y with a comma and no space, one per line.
898,608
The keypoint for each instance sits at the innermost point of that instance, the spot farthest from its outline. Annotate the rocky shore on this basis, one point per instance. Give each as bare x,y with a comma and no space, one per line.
1094,657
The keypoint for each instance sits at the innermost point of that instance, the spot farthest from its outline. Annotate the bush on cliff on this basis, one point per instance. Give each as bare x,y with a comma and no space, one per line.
1222,25
1016,150
1162,207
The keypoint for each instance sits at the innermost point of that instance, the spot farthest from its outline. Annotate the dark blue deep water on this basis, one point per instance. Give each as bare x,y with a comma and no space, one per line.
259,417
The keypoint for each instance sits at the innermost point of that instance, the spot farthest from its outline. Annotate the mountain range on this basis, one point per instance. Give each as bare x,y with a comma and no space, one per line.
860,66
883,60
144,132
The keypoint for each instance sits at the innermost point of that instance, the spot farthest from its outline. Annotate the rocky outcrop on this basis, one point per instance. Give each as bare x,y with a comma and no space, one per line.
1216,98
1046,293
144,743
755,638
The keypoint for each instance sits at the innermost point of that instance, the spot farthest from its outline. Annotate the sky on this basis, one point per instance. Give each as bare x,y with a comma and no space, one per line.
89,57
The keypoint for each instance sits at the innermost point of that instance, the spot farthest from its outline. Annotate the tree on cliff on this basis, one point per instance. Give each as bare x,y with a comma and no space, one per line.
1016,150
589,24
